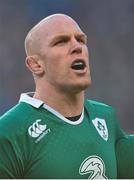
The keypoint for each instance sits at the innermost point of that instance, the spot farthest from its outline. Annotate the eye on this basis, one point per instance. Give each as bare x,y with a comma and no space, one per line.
82,40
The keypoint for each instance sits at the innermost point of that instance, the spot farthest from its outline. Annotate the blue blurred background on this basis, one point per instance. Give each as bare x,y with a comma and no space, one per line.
109,26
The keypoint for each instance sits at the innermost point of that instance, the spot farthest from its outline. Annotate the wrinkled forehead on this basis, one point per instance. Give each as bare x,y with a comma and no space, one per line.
42,33
59,25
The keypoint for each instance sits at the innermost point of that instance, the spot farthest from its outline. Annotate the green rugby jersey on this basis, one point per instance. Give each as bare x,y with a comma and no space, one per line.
38,142
125,157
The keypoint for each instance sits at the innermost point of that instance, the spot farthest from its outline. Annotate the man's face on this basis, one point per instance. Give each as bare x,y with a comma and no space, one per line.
65,56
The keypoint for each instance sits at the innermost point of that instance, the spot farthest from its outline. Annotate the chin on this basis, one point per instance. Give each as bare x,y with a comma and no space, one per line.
81,86
84,86
75,86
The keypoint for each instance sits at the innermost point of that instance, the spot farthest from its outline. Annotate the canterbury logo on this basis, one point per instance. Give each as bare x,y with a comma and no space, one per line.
36,129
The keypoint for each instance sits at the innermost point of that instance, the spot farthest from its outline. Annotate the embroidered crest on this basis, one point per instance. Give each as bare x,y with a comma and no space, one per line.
101,127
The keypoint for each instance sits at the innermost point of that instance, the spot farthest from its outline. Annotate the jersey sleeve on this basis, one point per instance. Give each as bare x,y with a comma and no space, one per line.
124,148
125,157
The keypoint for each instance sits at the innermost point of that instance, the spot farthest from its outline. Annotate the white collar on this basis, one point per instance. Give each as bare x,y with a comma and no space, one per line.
27,98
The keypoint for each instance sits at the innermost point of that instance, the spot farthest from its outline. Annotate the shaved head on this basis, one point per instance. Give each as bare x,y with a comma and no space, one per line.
35,36
52,46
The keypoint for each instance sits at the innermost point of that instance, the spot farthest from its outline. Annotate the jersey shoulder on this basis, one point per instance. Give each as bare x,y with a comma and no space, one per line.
99,106
14,120
101,111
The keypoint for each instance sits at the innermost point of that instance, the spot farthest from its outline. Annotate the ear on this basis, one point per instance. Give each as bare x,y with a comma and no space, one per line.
34,65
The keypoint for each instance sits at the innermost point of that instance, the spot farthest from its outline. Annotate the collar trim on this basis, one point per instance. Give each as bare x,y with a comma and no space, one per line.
56,113
27,98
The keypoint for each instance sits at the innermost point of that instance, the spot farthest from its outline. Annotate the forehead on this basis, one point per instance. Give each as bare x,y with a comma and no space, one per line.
60,26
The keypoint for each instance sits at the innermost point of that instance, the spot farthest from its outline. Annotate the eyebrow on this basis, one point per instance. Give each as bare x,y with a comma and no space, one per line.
84,36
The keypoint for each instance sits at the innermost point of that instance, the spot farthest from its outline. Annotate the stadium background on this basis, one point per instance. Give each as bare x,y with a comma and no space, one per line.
110,29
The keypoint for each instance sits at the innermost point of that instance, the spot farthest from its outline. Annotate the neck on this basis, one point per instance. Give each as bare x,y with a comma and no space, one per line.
67,104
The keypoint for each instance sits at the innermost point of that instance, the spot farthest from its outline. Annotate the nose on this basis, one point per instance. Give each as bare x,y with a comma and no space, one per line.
76,47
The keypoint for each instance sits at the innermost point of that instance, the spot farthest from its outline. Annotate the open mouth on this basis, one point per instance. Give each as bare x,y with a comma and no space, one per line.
78,65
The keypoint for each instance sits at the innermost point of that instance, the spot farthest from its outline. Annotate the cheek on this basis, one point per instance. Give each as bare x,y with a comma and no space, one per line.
87,52
54,69
56,63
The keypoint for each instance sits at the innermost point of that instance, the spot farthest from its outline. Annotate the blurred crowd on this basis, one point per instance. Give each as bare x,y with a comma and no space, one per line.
109,26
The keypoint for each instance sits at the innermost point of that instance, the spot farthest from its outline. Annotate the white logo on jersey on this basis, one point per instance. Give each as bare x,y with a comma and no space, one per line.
38,130
101,127
94,166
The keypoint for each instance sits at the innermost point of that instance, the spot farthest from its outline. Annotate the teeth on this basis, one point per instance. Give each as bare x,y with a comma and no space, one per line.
79,65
